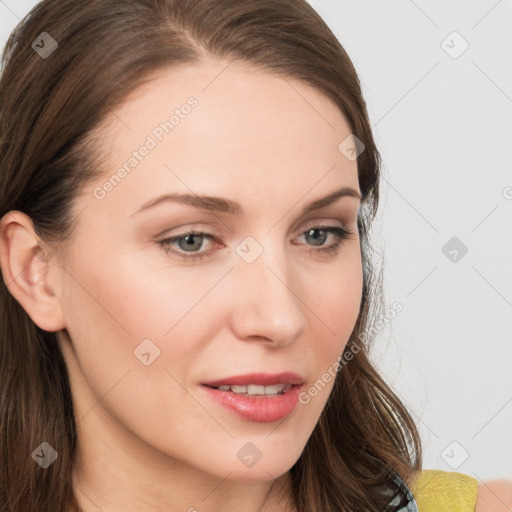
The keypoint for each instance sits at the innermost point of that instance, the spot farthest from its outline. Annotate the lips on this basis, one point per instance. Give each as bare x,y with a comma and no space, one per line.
261,379
256,408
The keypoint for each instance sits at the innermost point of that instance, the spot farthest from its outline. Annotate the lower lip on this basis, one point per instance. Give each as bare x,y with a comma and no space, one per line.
260,409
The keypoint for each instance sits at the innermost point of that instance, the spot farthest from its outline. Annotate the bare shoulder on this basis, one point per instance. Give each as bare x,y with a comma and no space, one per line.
494,496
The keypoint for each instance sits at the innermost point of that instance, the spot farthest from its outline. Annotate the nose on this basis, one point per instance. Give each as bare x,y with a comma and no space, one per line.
268,302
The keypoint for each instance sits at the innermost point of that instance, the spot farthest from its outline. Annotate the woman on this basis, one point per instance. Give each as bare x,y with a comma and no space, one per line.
186,194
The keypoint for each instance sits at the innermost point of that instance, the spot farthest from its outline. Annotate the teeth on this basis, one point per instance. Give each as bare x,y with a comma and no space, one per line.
255,389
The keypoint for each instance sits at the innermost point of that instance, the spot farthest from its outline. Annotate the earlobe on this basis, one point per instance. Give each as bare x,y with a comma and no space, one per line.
26,265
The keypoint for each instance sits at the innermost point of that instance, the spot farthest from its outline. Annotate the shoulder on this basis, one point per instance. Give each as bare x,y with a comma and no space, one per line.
437,491
494,496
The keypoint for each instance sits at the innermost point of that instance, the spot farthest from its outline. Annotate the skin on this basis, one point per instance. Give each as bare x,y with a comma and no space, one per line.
494,496
149,437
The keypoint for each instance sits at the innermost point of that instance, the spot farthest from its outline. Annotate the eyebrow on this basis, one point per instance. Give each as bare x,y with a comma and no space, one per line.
222,205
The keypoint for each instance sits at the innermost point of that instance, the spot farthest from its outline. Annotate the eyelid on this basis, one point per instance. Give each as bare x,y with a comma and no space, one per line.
211,229
188,228
316,223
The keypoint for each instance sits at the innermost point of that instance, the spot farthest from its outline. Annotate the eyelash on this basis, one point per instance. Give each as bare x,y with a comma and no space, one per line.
340,233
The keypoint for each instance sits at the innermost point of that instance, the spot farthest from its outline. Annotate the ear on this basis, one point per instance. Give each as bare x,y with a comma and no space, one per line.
27,268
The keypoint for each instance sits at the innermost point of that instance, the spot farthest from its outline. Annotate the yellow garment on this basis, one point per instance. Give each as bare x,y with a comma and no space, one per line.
444,491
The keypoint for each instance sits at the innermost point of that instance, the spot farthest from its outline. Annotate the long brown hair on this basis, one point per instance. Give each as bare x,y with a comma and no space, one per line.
49,109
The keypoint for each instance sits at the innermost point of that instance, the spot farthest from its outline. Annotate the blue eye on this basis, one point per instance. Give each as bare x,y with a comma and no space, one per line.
185,242
193,240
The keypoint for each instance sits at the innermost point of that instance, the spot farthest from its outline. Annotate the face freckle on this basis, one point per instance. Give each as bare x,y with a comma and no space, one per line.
148,328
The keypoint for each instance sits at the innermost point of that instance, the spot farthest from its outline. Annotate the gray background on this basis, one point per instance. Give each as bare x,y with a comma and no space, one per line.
442,118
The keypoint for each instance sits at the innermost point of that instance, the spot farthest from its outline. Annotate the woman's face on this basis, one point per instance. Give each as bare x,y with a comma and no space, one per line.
256,291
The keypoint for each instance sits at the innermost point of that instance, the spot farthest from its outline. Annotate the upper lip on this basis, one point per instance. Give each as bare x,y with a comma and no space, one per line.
262,379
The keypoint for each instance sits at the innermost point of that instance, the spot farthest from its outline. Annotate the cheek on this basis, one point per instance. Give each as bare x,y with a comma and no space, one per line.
112,305
337,307
133,295
336,299
127,297
111,308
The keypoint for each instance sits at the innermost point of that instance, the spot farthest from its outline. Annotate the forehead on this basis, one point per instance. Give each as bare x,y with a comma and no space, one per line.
248,128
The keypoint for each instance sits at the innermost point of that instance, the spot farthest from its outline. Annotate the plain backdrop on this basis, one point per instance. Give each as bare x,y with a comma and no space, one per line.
437,79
